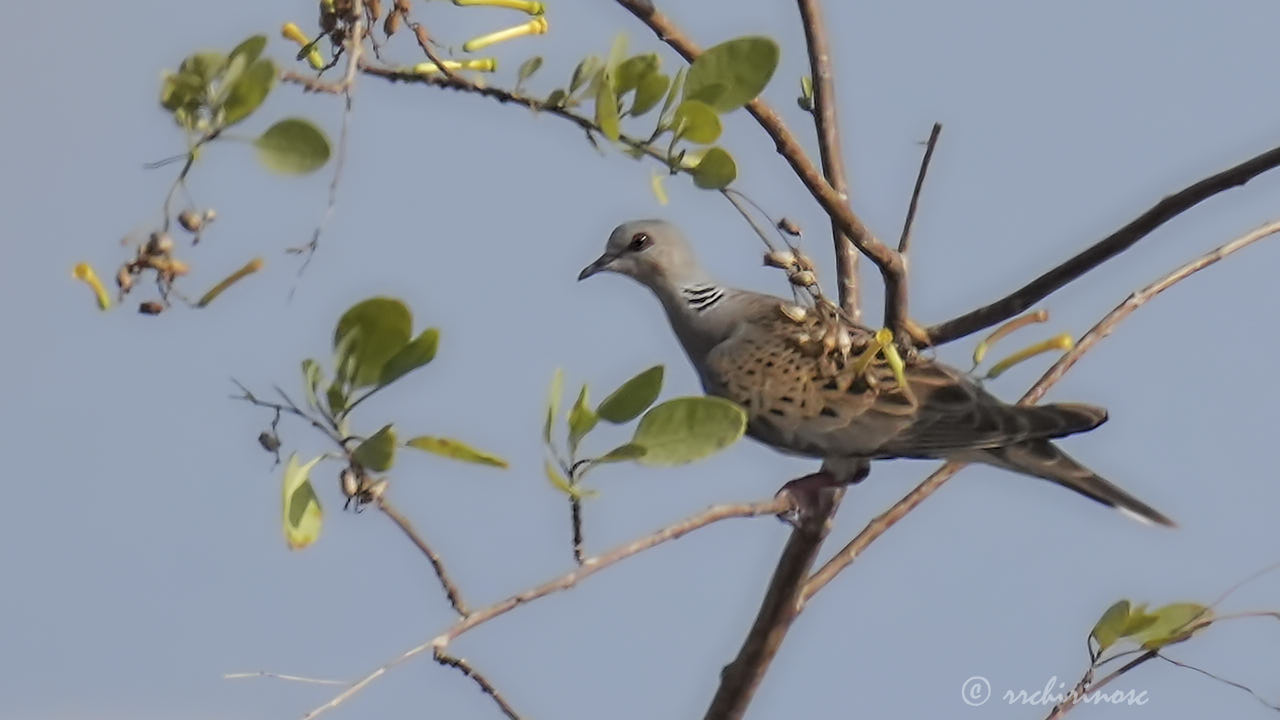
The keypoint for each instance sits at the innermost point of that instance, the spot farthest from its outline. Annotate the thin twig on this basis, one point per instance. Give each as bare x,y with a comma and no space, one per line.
1104,327
486,687
575,519
353,50
451,590
281,676
1084,687
290,408
825,120
1103,250
779,504
1219,678
904,241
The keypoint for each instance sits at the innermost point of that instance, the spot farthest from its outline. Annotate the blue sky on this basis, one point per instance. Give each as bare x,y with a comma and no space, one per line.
141,548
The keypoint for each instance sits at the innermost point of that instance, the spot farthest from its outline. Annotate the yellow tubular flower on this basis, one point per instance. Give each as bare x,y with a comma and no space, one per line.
84,272
1062,343
249,268
291,31
479,65
532,8
537,26
1017,323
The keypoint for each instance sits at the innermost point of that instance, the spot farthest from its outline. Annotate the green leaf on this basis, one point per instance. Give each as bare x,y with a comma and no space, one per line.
528,68
336,397
659,190
806,93
378,453
455,449
686,429
697,122
664,117
607,107
582,419
293,146
559,482
417,353
1174,623
250,48
181,90
733,73
617,52
629,451
716,170
312,379
1111,626
1139,620
633,70
556,98
651,90
249,91
632,397
368,335
583,73
302,513
553,403
205,65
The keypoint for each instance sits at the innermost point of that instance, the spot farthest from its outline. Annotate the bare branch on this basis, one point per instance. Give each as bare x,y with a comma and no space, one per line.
486,687
905,239
451,590
1219,678
280,676
781,606
1103,250
1086,686
825,120
781,503
886,520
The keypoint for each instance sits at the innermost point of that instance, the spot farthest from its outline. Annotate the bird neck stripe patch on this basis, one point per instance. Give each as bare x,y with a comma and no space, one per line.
702,297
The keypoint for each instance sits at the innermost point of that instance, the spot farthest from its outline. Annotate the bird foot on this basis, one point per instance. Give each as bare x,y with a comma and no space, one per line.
811,496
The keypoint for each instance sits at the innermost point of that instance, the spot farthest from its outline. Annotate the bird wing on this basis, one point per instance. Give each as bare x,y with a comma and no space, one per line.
800,400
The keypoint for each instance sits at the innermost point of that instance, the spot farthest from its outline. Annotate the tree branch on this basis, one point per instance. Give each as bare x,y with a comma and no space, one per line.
781,503
486,687
886,259
826,123
451,590
1104,327
1103,250
781,606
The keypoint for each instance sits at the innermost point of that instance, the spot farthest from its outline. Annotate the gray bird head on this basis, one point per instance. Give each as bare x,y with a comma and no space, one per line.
654,252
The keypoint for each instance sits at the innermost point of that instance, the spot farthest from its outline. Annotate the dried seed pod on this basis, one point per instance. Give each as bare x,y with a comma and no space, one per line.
392,23
794,313
191,221
210,215
844,341
803,278
805,262
151,307
375,491
159,244
789,227
402,6
783,259
374,8
124,279
269,441
349,483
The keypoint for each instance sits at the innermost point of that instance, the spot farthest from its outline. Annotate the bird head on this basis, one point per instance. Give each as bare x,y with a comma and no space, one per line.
654,252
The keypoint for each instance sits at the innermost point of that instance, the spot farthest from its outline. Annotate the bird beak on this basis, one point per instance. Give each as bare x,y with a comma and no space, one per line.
601,264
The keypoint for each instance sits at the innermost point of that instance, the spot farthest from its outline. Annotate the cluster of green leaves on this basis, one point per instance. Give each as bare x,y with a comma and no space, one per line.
719,81
675,432
374,347
212,91
1151,630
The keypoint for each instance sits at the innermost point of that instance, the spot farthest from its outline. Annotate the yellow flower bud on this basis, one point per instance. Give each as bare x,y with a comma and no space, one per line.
537,26
479,65
291,31
84,272
527,6
249,268
1062,342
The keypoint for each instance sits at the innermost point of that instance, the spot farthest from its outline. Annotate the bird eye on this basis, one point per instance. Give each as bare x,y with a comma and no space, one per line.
639,242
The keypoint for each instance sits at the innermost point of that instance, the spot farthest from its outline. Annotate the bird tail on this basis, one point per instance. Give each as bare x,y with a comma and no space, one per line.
1043,459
